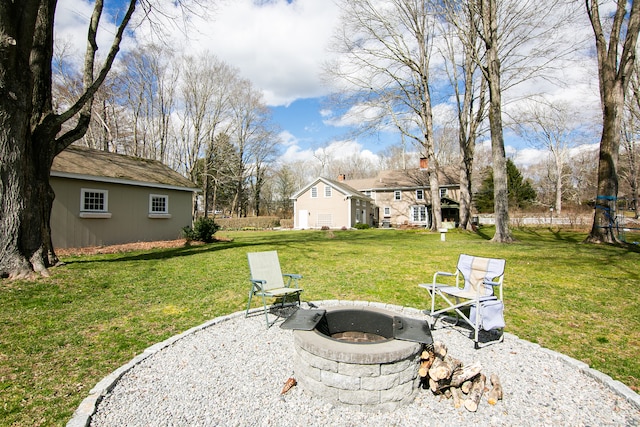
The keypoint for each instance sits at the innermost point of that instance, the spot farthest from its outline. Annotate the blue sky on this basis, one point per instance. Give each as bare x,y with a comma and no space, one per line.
280,45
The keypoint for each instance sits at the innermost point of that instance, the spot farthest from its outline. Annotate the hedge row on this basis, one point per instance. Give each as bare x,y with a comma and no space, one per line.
253,223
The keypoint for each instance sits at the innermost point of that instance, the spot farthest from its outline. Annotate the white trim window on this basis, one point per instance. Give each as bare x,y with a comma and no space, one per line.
387,211
94,203
420,194
327,191
443,192
158,204
314,192
418,214
397,195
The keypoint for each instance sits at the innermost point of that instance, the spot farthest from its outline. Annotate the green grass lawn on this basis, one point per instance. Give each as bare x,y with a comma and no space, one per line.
60,335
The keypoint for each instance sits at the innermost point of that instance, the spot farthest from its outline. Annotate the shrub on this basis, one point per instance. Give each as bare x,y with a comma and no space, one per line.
203,230
361,226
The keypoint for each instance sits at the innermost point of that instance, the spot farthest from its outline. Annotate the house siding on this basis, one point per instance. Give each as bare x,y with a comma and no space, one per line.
321,208
129,209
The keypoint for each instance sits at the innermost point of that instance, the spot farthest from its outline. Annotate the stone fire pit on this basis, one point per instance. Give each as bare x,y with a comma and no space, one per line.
352,358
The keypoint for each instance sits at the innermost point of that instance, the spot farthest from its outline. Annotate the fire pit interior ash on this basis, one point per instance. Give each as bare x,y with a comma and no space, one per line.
352,356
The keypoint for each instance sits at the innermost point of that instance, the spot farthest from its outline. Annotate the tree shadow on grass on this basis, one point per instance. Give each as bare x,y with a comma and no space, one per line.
156,254
182,251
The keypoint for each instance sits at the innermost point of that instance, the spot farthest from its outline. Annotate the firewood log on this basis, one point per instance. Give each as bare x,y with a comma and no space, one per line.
433,385
426,355
495,393
439,349
457,397
475,394
423,371
443,368
466,387
465,373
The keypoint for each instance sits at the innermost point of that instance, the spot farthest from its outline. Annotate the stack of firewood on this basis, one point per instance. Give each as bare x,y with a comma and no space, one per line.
447,376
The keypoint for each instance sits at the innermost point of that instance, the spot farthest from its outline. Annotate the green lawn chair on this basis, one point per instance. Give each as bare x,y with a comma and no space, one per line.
267,281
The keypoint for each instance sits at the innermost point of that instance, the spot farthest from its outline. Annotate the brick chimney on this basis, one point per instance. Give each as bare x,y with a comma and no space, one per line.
424,163
342,177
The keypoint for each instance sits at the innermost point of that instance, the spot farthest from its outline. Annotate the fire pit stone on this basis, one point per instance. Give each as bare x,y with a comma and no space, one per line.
377,375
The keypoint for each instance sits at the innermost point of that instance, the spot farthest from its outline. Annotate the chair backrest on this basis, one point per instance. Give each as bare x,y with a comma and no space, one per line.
477,269
266,266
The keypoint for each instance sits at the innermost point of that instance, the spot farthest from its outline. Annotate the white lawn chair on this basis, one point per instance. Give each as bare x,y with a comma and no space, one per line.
267,281
481,292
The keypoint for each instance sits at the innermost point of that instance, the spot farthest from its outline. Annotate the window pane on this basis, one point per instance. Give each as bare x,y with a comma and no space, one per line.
314,191
159,204
93,201
327,191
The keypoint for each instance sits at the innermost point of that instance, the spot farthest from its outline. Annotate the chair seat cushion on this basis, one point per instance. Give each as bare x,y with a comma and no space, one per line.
279,292
458,292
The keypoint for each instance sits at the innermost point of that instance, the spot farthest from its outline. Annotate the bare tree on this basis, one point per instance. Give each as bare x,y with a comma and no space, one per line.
397,157
461,50
384,66
254,140
583,177
205,92
489,20
631,138
551,127
616,53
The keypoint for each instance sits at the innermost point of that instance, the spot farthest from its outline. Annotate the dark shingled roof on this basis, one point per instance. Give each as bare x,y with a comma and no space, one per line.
408,178
87,163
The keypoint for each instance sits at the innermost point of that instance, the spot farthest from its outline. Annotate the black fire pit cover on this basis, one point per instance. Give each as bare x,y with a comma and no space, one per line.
303,320
412,330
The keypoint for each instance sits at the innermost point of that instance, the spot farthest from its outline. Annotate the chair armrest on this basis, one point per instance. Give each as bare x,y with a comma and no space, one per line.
489,282
292,278
257,284
435,284
443,273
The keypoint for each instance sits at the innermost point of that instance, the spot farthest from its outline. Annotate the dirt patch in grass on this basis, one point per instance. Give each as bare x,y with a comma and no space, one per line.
127,247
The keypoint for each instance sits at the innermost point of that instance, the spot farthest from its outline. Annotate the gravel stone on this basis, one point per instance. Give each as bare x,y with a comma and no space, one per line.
230,372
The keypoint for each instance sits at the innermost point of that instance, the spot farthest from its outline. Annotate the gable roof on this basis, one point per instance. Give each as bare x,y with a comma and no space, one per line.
344,188
95,165
404,179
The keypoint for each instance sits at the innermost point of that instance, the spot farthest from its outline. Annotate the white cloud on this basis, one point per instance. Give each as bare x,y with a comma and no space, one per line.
279,46
287,138
71,24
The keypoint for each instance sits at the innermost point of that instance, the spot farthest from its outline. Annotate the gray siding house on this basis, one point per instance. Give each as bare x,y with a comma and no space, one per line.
105,199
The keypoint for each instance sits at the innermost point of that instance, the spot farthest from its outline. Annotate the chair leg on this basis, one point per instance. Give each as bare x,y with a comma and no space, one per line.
266,313
246,314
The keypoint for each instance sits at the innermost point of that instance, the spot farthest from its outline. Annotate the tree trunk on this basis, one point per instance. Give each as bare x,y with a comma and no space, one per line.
614,70
14,123
29,129
492,73
604,228
465,194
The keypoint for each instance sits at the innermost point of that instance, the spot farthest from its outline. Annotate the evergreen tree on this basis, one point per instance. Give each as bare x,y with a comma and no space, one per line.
521,192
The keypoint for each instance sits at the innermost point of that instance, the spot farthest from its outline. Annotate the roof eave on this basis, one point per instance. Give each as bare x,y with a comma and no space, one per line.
122,181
